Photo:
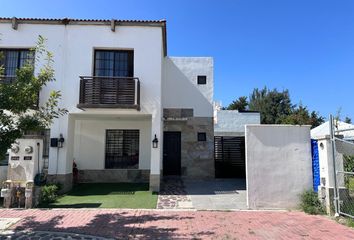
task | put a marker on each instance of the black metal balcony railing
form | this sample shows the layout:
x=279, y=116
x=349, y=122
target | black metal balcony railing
x=109, y=92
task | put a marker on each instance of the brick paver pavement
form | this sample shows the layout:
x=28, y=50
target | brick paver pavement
x=158, y=224
x=173, y=195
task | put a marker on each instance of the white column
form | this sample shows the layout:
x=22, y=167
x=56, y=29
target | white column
x=61, y=159
x=156, y=153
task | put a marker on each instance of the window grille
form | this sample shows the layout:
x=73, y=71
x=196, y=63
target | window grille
x=122, y=149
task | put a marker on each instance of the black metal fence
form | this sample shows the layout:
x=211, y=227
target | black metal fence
x=229, y=155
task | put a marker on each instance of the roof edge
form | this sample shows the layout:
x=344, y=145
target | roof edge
x=71, y=21
x=112, y=23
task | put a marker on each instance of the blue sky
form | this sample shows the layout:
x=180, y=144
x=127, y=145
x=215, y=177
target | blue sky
x=306, y=46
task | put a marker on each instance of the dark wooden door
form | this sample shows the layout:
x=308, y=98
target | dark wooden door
x=171, y=153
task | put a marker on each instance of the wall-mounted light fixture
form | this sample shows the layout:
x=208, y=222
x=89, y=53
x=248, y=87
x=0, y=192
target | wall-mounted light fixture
x=60, y=141
x=155, y=142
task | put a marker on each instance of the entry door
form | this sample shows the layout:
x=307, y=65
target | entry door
x=171, y=153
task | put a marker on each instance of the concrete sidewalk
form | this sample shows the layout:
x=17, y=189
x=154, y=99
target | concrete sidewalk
x=162, y=224
x=217, y=194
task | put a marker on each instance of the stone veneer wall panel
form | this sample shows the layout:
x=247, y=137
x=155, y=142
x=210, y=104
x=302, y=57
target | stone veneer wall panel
x=65, y=179
x=197, y=158
x=114, y=175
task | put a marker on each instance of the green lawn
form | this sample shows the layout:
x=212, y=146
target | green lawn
x=107, y=195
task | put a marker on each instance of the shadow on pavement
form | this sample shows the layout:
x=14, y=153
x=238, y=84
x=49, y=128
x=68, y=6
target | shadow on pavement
x=118, y=225
x=215, y=186
x=77, y=205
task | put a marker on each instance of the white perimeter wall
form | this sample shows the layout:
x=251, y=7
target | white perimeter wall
x=90, y=135
x=278, y=165
x=180, y=88
x=326, y=162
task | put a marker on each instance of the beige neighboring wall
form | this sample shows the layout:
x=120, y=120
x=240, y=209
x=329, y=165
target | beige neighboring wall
x=278, y=165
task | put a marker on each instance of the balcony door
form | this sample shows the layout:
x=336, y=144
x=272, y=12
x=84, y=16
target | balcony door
x=118, y=63
x=115, y=70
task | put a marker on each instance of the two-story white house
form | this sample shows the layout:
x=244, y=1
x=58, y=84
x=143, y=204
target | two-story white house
x=135, y=114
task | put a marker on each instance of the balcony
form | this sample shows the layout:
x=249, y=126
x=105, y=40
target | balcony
x=109, y=92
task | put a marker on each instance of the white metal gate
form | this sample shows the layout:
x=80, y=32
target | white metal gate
x=343, y=170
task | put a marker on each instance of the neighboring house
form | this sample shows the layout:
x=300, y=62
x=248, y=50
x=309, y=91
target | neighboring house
x=135, y=113
x=324, y=130
x=232, y=122
x=229, y=141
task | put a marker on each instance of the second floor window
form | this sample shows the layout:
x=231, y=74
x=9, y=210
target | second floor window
x=13, y=59
x=118, y=63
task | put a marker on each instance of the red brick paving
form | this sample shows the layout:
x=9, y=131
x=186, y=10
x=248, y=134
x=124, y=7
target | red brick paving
x=147, y=224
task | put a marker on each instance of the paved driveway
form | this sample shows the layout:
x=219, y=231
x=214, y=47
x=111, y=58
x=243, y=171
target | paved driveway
x=163, y=224
x=217, y=194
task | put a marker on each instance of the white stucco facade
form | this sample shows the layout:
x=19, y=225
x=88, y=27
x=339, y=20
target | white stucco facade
x=73, y=49
x=180, y=86
x=90, y=134
x=165, y=82
x=324, y=130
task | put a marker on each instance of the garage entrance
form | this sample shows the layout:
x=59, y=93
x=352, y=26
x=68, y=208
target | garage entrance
x=229, y=155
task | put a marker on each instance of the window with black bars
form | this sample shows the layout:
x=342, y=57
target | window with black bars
x=122, y=149
x=114, y=63
x=13, y=59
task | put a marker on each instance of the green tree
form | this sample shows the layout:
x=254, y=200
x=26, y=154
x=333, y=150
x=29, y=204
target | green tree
x=240, y=104
x=348, y=120
x=18, y=100
x=272, y=104
x=348, y=162
x=276, y=107
x=301, y=116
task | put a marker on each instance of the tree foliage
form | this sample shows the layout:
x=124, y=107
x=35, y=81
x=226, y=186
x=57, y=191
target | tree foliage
x=348, y=162
x=272, y=104
x=239, y=104
x=18, y=101
x=348, y=120
x=301, y=116
x=275, y=107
